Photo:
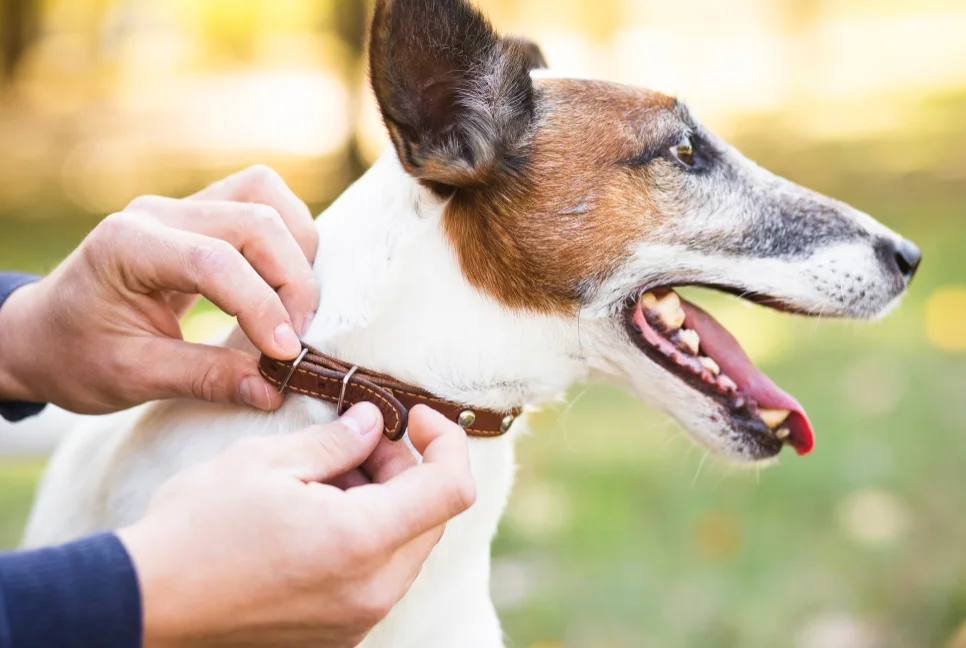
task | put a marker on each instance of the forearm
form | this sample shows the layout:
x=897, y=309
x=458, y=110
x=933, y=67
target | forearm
x=81, y=594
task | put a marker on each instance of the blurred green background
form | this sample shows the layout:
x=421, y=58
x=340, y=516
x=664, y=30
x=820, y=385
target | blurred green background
x=620, y=533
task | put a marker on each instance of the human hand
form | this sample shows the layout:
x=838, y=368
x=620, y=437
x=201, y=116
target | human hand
x=250, y=548
x=101, y=332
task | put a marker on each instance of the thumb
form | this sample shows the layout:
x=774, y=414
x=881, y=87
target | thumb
x=322, y=452
x=185, y=370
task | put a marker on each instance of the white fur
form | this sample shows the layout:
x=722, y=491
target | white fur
x=393, y=299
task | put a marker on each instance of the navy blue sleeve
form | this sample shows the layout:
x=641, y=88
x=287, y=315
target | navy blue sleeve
x=10, y=281
x=79, y=595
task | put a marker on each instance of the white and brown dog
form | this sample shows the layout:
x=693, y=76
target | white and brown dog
x=524, y=234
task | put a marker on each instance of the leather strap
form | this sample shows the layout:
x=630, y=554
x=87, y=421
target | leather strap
x=324, y=377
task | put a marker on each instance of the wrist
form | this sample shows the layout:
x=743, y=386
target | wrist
x=161, y=609
x=17, y=328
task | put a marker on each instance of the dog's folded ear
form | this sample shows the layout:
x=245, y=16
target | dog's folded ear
x=535, y=58
x=457, y=99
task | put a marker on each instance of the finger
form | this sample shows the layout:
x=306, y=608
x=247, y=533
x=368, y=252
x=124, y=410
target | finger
x=438, y=439
x=323, y=452
x=255, y=230
x=406, y=563
x=389, y=459
x=184, y=370
x=164, y=259
x=410, y=557
x=427, y=495
x=260, y=184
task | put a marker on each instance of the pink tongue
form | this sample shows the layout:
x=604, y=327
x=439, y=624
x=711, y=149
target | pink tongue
x=718, y=344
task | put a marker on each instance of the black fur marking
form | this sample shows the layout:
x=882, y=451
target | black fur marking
x=705, y=155
x=797, y=229
x=790, y=222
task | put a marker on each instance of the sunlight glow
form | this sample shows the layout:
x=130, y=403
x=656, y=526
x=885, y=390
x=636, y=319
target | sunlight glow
x=946, y=319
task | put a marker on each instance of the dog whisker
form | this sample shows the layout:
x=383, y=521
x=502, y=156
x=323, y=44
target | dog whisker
x=697, y=473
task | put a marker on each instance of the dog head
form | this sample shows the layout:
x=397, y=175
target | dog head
x=591, y=201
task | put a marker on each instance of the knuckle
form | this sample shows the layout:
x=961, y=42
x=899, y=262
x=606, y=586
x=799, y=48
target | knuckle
x=308, y=240
x=267, y=307
x=304, y=286
x=380, y=607
x=331, y=446
x=261, y=175
x=120, y=365
x=264, y=217
x=211, y=257
x=114, y=226
x=206, y=384
x=111, y=231
x=146, y=204
x=374, y=601
x=357, y=554
x=366, y=548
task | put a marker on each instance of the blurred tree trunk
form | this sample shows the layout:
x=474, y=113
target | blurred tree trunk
x=350, y=19
x=19, y=26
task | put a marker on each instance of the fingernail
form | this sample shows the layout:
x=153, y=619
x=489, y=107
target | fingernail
x=286, y=339
x=307, y=323
x=254, y=391
x=362, y=418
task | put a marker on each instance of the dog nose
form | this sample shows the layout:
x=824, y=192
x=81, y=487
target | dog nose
x=907, y=257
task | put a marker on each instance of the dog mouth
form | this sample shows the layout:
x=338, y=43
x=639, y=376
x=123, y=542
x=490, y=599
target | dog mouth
x=690, y=344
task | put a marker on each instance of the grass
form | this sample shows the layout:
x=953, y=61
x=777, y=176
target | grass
x=18, y=480
x=621, y=533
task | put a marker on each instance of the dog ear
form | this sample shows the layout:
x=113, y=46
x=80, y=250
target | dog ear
x=457, y=99
x=535, y=57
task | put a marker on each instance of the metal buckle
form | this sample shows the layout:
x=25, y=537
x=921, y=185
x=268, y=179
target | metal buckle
x=291, y=372
x=345, y=383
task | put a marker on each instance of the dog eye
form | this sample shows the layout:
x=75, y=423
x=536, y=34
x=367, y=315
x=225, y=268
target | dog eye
x=683, y=151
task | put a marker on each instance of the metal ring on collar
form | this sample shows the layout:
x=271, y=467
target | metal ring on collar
x=345, y=383
x=291, y=372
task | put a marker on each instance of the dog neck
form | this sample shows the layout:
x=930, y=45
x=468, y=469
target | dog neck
x=394, y=299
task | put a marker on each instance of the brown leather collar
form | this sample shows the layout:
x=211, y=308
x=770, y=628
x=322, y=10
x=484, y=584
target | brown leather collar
x=320, y=376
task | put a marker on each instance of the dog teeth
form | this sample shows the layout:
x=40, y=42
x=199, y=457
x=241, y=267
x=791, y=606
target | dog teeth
x=782, y=433
x=647, y=301
x=669, y=312
x=773, y=417
x=727, y=383
x=710, y=365
x=689, y=340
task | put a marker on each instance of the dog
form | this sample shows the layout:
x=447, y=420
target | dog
x=523, y=233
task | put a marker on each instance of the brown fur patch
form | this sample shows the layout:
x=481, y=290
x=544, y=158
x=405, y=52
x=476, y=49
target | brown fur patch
x=541, y=238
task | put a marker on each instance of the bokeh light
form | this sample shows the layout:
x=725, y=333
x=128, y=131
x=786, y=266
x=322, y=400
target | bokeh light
x=946, y=318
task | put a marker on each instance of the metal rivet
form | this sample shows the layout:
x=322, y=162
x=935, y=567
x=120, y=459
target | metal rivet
x=507, y=422
x=466, y=418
